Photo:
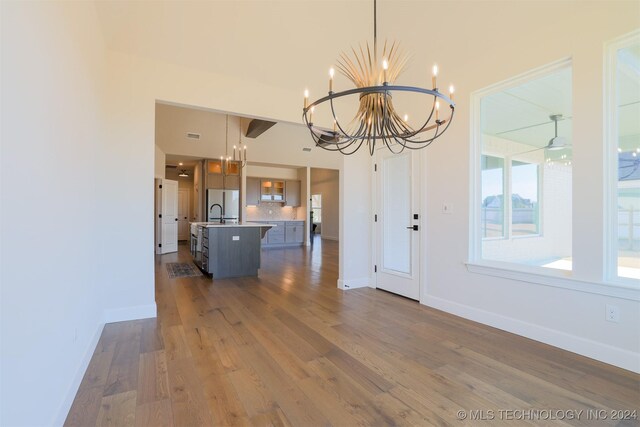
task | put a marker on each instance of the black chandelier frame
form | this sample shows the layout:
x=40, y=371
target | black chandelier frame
x=403, y=135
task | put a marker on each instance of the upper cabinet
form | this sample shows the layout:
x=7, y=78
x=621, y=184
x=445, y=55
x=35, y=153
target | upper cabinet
x=272, y=190
x=253, y=191
x=216, y=179
x=292, y=193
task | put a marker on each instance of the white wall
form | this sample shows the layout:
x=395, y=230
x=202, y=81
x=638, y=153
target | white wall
x=546, y=32
x=53, y=127
x=355, y=267
x=327, y=183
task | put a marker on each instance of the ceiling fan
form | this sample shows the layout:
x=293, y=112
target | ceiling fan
x=557, y=142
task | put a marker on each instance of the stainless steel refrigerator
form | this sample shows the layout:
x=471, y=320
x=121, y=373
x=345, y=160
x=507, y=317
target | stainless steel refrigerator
x=228, y=202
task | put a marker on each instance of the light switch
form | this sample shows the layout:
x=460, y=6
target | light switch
x=235, y=237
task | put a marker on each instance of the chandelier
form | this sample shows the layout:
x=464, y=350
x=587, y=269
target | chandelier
x=230, y=165
x=377, y=119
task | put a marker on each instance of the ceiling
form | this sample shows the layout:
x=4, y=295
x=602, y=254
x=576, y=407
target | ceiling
x=291, y=44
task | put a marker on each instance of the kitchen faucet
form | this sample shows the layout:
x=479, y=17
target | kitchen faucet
x=221, y=214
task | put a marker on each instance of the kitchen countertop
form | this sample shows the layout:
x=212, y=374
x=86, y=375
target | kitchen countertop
x=233, y=224
x=276, y=220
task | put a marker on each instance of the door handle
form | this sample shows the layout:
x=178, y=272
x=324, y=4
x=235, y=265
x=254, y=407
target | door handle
x=413, y=227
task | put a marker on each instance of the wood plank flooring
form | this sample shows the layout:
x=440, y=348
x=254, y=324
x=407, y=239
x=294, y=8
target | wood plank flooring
x=290, y=349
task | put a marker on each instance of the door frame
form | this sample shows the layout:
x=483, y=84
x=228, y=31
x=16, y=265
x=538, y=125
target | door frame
x=189, y=216
x=418, y=158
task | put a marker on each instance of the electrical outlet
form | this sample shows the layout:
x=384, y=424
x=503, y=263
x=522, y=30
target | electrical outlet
x=612, y=313
x=447, y=208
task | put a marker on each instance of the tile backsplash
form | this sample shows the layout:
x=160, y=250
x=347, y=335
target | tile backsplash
x=271, y=211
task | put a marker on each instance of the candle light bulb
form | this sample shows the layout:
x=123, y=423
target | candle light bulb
x=335, y=125
x=331, y=73
x=311, y=114
x=306, y=98
x=406, y=118
x=385, y=67
x=451, y=92
x=437, y=109
x=433, y=78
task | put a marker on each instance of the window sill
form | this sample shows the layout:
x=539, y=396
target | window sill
x=557, y=279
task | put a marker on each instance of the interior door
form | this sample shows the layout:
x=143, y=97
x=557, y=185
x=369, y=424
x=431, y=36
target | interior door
x=397, y=227
x=183, y=214
x=169, y=195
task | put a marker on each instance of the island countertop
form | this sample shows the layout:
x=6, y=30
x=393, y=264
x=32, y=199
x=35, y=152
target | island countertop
x=232, y=224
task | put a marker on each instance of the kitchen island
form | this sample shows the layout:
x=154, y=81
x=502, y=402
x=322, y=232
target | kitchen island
x=228, y=250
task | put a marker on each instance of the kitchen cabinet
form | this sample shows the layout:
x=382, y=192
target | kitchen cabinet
x=294, y=232
x=253, y=191
x=276, y=234
x=272, y=190
x=217, y=180
x=292, y=191
x=214, y=178
x=285, y=233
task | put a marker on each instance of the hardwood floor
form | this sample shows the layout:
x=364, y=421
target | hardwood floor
x=289, y=348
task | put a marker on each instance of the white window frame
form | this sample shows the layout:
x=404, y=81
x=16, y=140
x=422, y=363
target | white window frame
x=611, y=160
x=476, y=262
x=507, y=192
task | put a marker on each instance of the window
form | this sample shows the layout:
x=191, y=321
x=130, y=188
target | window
x=624, y=137
x=522, y=212
x=523, y=215
x=316, y=208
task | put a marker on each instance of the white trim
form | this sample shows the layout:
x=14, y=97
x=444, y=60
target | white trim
x=130, y=313
x=556, y=279
x=328, y=237
x=605, y=353
x=65, y=407
x=610, y=157
x=362, y=282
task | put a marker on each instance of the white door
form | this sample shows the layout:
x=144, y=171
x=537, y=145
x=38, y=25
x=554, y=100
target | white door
x=169, y=195
x=397, y=242
x=183, y=214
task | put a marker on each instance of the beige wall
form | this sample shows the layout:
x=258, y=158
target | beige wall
x=326, y=182
x=159, y=163
x=280, y=145
x=272, y=172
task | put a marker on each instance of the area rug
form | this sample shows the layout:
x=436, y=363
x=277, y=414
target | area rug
x=182, y=269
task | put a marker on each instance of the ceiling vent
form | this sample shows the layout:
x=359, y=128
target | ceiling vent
x=192, y=135
x=306, y=149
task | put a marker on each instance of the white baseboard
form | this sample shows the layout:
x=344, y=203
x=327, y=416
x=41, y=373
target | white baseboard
x=353, y=283
x=77, y=378
x=603, y=352
x=130, y=313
